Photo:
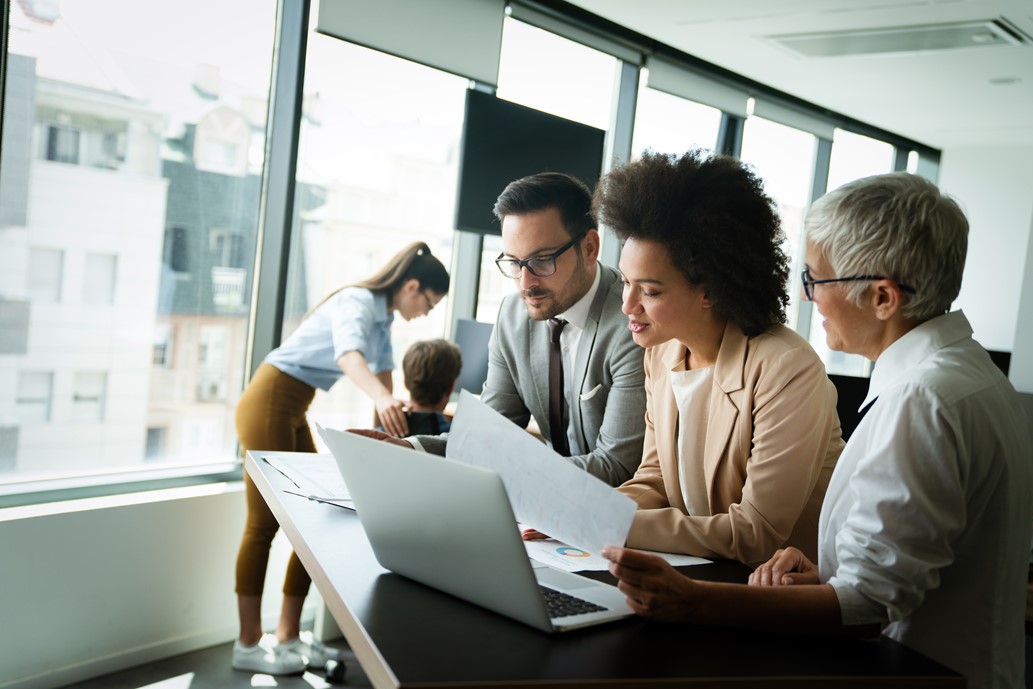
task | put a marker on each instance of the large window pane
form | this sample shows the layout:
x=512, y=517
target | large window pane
x=669, y=124
x=377, y=170
x=132, y=162
x=784, y=159
x=853, y=156
x=555, y=75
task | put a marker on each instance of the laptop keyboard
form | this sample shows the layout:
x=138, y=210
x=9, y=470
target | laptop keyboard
x=563, y=604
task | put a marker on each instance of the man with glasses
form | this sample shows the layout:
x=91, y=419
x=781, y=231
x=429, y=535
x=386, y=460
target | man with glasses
x=595, y=414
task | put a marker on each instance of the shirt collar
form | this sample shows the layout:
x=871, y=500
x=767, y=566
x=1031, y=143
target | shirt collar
x=914, y=347
x=381, y=312
x=577, y=315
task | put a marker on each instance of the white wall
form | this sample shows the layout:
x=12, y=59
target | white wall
x=995, y=188
x=94, y=586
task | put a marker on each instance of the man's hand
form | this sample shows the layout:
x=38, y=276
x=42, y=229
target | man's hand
x=533, y=535
x=655, y=590
x=787, y=567
x=378, y=435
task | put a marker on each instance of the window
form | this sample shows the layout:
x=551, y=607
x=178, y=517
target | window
x=155, y=444
x=88, y=396
x=377, y=169
x=669, y=124
x=555, y=75
x=8, y=449
x=124, y=226
x=46, y=267
x=62, y=144
x=853, y=156
x=33, y=398
x=161, y=355
x=99, y=273
x=784, y=159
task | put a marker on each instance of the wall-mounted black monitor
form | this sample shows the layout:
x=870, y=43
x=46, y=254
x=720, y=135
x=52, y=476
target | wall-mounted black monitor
x=503, y=141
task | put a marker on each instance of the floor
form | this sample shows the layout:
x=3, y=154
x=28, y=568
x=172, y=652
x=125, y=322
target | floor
x=210, y=668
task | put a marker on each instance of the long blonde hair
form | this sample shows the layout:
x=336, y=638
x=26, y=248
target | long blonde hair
x=414, y=262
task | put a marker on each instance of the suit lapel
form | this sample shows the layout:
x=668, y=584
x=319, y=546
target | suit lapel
x=538, y=347
x=728, y=379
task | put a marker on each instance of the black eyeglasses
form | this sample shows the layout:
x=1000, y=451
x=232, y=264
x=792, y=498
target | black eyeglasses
x=539, y=266
x=809, y=283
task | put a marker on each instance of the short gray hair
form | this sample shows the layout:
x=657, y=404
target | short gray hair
x=899, y=226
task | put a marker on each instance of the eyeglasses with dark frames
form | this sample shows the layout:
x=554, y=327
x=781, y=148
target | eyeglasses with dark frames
x=430, y=304
x=539, y=266
x=809, y=283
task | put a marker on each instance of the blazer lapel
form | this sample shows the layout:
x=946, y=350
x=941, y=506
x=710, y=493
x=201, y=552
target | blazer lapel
x=728, y=378
x=538, y=348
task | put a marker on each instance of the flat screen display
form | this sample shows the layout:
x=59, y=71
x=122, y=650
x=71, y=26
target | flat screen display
x=503, y=141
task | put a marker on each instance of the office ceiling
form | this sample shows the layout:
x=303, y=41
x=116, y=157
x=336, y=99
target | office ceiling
x=945, y=97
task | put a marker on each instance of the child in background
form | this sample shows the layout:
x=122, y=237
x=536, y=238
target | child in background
x=430, y=369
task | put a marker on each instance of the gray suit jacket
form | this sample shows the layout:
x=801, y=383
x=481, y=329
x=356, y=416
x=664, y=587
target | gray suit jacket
x=608, y=409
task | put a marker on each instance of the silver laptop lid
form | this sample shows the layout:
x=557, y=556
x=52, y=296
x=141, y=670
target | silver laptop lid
x=443, y=523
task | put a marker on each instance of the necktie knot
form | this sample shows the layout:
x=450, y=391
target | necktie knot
x=555, y=328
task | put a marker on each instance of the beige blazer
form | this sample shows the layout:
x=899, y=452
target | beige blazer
x=773, y=438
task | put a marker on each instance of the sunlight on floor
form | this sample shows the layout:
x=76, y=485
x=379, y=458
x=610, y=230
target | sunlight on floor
x=179, y=682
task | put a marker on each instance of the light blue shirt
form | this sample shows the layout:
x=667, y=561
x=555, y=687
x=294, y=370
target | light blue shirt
x=354, y=319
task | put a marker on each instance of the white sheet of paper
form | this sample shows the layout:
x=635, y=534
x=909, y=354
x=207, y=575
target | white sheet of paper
x=317, y=477
x=547, y=492
x=562, y=556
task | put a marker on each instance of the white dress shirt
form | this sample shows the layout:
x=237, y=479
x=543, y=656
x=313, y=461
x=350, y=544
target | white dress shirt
x=925, y=525
x=692, y=390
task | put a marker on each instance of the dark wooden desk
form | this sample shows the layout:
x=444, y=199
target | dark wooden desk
x=405, y=634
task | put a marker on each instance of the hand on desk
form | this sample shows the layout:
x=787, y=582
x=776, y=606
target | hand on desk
x=787, y=567
x=378, y=435
x=654, y=588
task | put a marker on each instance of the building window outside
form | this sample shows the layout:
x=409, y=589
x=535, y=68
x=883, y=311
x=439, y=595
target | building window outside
x=99, y=277
x=155, y=447
x=88, y=395
x=62, y=144
x=134, y=241
x=8, y=449
x=45, y=272
x=34, y=396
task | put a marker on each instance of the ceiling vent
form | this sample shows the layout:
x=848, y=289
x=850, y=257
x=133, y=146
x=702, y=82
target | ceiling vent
x=906, y=39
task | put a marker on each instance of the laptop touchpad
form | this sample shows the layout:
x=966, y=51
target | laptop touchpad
x=547, y=576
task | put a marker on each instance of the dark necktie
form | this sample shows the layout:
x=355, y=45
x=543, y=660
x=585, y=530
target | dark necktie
x=556, y=426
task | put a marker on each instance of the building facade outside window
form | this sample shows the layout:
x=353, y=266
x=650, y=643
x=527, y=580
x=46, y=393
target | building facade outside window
x=126, y=173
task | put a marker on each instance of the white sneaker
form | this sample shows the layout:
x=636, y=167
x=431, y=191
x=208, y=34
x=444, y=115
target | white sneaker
x=315, y=653
x=267, y=657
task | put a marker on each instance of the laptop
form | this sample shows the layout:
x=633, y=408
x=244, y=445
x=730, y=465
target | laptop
x=450, y=526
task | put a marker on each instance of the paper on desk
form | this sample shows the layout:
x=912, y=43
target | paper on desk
x=547, y=492
x=562, y=556
x=316, y=476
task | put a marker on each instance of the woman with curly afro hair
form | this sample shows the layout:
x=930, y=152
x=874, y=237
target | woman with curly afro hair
x=741, y=426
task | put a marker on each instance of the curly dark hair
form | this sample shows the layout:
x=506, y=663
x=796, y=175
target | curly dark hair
x=719, y=228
